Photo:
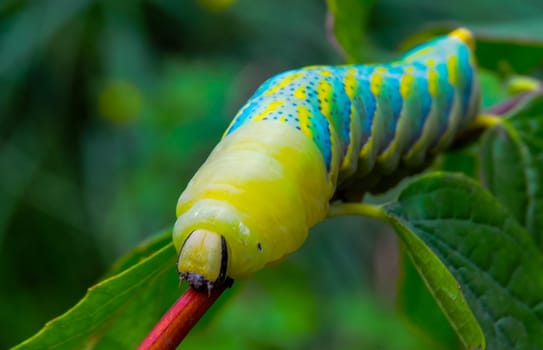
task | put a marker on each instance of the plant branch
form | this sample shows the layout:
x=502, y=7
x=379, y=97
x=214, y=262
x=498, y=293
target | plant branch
x=502, y=109
x=181, y=318
x=363, y=209
x=490, y=117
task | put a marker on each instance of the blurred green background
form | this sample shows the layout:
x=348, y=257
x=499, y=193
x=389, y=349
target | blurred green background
x=107, y=108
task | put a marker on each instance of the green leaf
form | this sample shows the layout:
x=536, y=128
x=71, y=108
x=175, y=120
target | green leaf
x=493, y=90
x=502, y=172
x=421, y=311
x=117, y=312
x=512, y=165
x=349, y=20
x=515, y=44
x=478, y=262
x=462, y=160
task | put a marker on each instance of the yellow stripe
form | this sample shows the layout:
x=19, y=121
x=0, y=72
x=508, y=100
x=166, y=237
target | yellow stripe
x=324, y=91
x=376, y=81
x=433, y=78
x=452, y=67
x=300, y=93
x=350, y=89
x=271, y=107
x=406, y=84
x=419, y=53
x=350, y=83
x=303, y=116
x=287, y=80
x=325, y=73
x=464, y=35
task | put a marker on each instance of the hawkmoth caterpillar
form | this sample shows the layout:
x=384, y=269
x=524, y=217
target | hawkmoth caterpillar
x=314, y=135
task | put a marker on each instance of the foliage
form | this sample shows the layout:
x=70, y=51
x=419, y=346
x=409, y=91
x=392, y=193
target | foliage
x=108, y=108
x=473, y=250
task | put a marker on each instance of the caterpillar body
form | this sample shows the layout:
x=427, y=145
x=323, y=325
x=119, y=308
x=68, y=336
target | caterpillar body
x=314, y=135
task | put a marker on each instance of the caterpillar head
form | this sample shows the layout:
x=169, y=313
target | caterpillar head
x=203, y=260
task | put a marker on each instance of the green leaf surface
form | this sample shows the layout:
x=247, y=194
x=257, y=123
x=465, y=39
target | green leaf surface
x=462, y=160
x=421, y=311
x=349, y=20
x=117, y=312
x=512, y=165
x=515, y=44
x=473, y=255
x=493, y=89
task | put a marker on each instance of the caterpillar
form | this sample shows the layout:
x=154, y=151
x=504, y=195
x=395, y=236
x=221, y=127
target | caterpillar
x=314, y=135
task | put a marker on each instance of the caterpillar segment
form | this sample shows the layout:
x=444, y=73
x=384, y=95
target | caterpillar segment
x=314, y=135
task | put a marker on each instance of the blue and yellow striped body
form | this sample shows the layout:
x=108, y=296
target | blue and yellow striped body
x=368, y=119
x=313, y=135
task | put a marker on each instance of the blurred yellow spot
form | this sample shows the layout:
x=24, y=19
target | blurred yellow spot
x=420, y=52
x=376, y=80
x=452, y=67
x=433, y=82
x=216, y=5
x=433, y=78
x=350, y=83
x=324, y=92
x=269, y=109
x=406, y=84
x=120, y=102
x=519, y=84
x=464, y=35
x=325, y=73
x=304, y=116
x=285, y=82
x=300, y=93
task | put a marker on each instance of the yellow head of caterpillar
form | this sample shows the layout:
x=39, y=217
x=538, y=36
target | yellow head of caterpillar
x=203, y=260
x=250, y=205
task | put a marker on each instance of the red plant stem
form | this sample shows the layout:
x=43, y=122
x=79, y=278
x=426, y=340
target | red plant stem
x=509, y=104
x=180, y=318
x=500, y=110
